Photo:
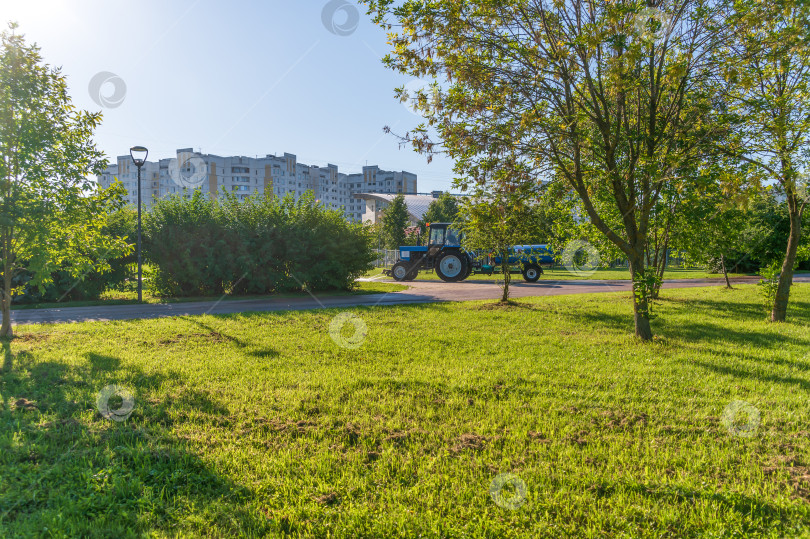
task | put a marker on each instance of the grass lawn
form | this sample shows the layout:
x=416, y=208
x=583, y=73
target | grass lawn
x=114, y=297
x=261, y=424
x=560, y=273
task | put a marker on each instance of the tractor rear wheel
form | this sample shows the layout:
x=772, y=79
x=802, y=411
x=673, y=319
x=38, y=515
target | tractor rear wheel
x=452, y=267
x=469, y=270
x=531, y=273
x=402, y=272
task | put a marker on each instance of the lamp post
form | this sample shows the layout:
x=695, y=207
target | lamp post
x=138, y=154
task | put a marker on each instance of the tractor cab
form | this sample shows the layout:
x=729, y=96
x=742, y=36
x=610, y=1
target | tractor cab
x=440, y=235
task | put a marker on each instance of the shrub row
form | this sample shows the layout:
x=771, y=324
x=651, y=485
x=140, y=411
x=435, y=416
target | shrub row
x=200, y=246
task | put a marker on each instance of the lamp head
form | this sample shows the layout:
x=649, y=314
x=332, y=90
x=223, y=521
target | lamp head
x=138, y=154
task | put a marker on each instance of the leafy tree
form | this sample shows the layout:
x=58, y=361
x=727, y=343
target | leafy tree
x=765, y=233
x=441, y=210
x=710, y=225
x=499, y=214
x=768, y=72
x=395, y=220
x=115, y=276
x=51, y=216
x=609, y=97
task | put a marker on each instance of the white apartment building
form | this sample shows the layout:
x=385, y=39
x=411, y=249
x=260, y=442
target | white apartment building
x=242, y=176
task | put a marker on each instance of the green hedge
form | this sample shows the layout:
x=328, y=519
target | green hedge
x=199, y=246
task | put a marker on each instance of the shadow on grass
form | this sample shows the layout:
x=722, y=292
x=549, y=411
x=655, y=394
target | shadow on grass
x=797, y=310
x=708, y=333
x=754, y=509
x=749, y=375
x=260, y=353
x=61, y=461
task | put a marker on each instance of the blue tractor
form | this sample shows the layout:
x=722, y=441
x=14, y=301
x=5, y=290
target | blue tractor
x=443, y=253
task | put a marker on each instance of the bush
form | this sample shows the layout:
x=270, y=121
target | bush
x=201, y=246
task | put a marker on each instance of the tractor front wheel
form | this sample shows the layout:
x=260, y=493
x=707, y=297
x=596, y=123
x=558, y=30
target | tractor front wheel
x=452, y=267
x=531, y=273
x=402, y=272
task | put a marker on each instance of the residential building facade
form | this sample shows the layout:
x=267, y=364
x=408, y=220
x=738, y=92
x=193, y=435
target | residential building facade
x=243, y=176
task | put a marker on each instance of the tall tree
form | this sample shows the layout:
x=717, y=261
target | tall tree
x=441, y=210
x=610, y=96
x=395, y=220
x=768, y=72
x=51, y=215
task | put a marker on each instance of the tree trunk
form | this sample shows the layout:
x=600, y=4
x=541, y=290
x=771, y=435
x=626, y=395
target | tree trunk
x=507, y=277
x=660, y=267
x=6, y=331
x=725, y=271
x=640, y=306
x=779, y=313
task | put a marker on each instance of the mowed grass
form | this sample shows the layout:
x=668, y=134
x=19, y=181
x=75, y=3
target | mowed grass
x=261, y=425
x=560, y=273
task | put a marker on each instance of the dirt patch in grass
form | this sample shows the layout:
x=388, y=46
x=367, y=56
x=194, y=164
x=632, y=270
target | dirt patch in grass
x=398, y=437
x=330, y=498
x=798, y=475
x=620, y=420
x=538, y=437
x=32, y=337
x=579, y=438
x=25, y=404
x=502, y=306
x=471, y=442
x=352, y=433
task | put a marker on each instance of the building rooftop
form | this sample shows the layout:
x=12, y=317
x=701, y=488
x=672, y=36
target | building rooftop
x=417, y=204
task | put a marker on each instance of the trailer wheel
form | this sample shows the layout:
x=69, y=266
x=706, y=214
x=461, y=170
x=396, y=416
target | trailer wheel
x=400, y=272
x=452, y=267
x=531, y=273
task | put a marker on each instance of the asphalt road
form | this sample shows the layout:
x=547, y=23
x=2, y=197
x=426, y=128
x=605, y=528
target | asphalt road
x=419, y=292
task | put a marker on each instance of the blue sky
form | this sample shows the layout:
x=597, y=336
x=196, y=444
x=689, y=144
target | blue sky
x=233, y=78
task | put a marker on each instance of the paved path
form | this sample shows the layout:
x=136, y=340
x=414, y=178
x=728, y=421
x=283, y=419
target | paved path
x=420, y=292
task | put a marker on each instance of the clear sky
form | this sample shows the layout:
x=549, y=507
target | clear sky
x=233, y=77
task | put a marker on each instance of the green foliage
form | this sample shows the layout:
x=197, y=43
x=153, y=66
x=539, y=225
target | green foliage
x=201, y=246
x=108, y=273
x=645, y=290
x=442, y=210
x=395, y=220
x=769, y=283
x=766, y=230
x=52, y=217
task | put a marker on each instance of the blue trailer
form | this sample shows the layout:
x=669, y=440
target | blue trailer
x=527, y=260
x=443, y=253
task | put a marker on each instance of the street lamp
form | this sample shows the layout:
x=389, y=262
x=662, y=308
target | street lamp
x=138, y=154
